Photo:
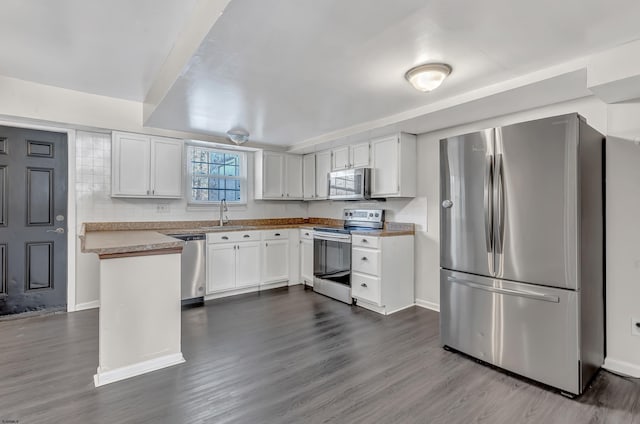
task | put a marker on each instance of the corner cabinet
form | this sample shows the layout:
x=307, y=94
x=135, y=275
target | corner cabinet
x=145, y=166
x=394, y=166
x=278, y=176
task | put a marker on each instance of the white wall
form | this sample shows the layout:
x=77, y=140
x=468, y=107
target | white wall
x=424, y=209
x=94, y=204
x=623, y=237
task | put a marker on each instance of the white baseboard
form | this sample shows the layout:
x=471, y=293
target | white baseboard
x=428, y=305
x=622, y=367
x=87, y=305
x=100, y=379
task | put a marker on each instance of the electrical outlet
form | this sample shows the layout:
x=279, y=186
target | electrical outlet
x=635, y=326
x=162, y=208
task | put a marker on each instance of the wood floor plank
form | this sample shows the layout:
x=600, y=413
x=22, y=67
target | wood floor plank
x=285, y=356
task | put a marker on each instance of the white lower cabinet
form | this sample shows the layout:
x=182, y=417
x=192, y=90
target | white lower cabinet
x=275, y=260
x=382, y=277
x=306, y=257
x=232, y=263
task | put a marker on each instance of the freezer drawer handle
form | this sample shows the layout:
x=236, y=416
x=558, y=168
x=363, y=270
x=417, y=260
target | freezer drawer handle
x=527, y=294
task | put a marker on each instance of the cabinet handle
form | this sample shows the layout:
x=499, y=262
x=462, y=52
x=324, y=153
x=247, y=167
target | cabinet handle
x=365, y=241
x=306, y=234
x=287, y=194
x=277, y=234
x=246, y=236
x=266, y=245
x=364, y=258
x=282, y=195
x=363, y=285
x=148, y=192
x=225, y=238
x=238, y=247
x=153, y=192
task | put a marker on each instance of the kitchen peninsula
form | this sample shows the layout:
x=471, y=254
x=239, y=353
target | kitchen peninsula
x=139, y=324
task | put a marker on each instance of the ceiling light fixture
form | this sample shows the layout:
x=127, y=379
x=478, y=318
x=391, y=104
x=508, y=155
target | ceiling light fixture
x=427, y=77
x=238, y=135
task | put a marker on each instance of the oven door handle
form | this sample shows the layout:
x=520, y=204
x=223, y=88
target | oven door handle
x=345, y=238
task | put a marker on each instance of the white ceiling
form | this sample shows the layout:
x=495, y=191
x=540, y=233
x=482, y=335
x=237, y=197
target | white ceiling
x=108, y=47
x=291, y=71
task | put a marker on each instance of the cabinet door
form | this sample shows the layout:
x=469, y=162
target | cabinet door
x=306, y=261
x=221, y=267
x=275, y=264
x=340, y=158
x=385, y=152
x=309, y=176
x=166, y=167
x=273, y=175
x=131, y=165
x=248, y=264
x=323, y=167
x=293, y=176
x=360, y=155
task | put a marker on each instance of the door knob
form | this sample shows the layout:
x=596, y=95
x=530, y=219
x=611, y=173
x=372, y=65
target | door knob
x=447, y=204
x=58, y=230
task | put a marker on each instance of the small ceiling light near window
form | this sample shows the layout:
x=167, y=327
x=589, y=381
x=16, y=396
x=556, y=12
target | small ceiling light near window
x=428, y=77
x=238, y=135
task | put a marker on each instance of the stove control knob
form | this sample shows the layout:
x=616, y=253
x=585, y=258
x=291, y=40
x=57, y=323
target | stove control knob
x=370, y=214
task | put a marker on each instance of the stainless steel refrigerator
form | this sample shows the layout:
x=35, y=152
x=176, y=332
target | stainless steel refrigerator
x=521, y=232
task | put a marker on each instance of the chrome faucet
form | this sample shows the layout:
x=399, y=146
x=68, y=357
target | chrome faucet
x=223, y=208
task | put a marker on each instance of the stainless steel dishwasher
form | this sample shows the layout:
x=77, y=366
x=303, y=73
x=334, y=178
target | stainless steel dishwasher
x=193, y=266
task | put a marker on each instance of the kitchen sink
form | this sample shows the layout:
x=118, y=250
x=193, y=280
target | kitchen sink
x=225, y=227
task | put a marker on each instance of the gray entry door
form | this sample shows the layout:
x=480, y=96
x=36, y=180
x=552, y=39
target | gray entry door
x=535, y=210
x=33, y=220
x=466, y=164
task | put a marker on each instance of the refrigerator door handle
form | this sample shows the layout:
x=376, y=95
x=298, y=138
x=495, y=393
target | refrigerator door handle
x=499, y=241
x=510, y=292
x=488, y=203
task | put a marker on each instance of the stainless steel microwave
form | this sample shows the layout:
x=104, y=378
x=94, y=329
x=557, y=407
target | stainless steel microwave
x=350, y=184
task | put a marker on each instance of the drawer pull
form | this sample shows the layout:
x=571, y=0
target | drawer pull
x=225, y=238
x=365, y=241
x=363, y=284
x=246, y=236
x=364, y=258
x=306, y=234
x=277, y=234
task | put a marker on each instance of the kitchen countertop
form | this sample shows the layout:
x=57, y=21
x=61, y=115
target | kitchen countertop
x=111, y=239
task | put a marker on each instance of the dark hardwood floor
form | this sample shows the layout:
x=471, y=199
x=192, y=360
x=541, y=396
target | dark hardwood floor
x=284, y=356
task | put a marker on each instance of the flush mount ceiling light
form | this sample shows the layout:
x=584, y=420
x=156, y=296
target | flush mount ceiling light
x=427, y=77
x=238, y=135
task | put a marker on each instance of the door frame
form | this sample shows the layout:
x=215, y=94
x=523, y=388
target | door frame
x=71, y=201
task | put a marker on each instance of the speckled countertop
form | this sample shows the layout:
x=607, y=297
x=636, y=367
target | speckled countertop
x=113, y=238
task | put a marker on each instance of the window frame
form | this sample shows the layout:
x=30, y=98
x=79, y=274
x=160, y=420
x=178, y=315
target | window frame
x=242, y=155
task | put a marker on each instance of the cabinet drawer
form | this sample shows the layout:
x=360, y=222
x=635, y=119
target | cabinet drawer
x=365, y=287
x=366, y=261
x=275, y=234
x=233, y=236
x=306, y=234
x=365, y=241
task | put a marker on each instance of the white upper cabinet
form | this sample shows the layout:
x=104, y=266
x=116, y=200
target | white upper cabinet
x=340, y=158
x=394, y=166
x=354, y=156
x=293, y=177
x=359, y=154
x=166, y=167
x=315, y=169
x=278, y=176
x=323, y=167
x=145, y=166
x=309, y=176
